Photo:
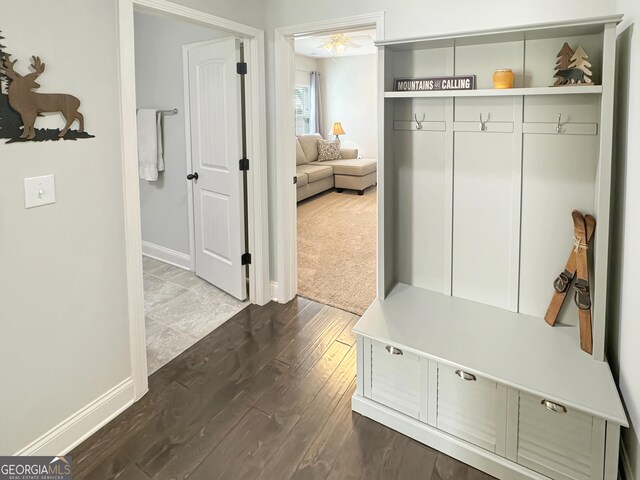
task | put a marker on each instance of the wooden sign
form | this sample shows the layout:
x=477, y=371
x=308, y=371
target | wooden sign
x=461, y=82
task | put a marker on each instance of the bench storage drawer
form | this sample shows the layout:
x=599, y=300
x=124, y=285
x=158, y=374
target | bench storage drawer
x=472, y=408
x=559, y=442
x=395, y=378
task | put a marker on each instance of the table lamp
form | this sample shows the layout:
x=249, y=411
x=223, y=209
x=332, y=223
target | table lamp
x=336, y=129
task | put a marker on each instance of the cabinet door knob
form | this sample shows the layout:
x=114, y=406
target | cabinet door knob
x=393, y=350
x=469, y=377
x=553, y=407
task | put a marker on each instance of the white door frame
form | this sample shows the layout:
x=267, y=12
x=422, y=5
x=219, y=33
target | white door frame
x=257, y=205
x=287, y=286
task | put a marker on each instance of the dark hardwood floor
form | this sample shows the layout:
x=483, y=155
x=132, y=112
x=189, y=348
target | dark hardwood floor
x=265, y=396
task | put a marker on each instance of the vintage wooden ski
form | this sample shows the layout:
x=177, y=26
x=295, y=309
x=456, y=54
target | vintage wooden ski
x=563, y=281
x=582, y=295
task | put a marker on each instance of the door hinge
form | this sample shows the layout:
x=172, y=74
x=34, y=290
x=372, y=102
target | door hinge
x=246, y=259
x=244, y=164
x=295, y=180
x=241, y=68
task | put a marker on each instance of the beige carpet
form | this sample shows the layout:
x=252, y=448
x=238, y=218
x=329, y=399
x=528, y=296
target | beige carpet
x=337, y=249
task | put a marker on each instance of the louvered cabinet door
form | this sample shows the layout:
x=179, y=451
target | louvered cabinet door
x=396, y=378
x=559, y=442
x=472, y=408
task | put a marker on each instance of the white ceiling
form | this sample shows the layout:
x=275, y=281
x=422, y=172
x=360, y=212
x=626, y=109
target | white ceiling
x=308, y=46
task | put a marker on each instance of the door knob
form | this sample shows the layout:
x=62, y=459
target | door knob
x=192, y=176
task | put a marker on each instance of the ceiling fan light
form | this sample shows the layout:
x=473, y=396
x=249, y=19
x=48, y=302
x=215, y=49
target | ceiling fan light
x=337, y=44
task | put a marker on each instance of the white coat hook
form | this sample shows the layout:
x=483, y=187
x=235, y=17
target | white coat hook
x=419, y=122
x=483, y=123
x=558, y=127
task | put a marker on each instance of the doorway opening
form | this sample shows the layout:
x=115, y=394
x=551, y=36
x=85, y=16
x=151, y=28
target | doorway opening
x=200, y=65
x=336, y=167
x=191, y=135
x=329, y=217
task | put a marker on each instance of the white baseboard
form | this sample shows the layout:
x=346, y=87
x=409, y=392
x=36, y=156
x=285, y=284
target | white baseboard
x=274, y=291
x=166, y=255
x=627, y=473
x=62, y=438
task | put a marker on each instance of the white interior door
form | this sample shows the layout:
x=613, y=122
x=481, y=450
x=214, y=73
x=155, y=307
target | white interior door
x=216, y=147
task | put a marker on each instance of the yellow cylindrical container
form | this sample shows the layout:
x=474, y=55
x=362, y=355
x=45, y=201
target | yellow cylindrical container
x=503, y=78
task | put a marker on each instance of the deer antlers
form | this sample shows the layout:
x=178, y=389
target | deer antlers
x=8, y=68
x=8, y=65
x=37, y=65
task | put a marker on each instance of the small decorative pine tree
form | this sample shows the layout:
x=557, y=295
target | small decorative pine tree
x=580, y=61
x=4, y=81
x=563, y=63
x=10, y=121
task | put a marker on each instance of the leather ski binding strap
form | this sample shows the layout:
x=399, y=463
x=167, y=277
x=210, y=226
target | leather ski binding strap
x=582, y=295
x=562, y=282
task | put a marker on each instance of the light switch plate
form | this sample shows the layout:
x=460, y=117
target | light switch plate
x=39, y=191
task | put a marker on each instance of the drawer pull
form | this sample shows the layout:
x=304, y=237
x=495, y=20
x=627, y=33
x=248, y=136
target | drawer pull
x=393, y=350
x=553, y=407
x=466, y=376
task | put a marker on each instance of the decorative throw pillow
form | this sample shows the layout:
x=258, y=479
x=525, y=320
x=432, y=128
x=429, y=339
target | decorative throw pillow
x=328, y=150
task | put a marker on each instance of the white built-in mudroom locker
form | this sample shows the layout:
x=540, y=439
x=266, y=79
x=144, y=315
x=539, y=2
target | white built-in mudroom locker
x=476, y=193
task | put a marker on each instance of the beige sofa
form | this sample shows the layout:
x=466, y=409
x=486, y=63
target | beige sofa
x=313, y=177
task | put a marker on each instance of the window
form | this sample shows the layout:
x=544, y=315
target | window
x=303, y=109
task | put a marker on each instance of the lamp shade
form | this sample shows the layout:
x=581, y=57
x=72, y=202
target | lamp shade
x=336, y=129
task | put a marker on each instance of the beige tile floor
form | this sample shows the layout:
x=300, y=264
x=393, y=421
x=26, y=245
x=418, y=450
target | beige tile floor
x=180, y=309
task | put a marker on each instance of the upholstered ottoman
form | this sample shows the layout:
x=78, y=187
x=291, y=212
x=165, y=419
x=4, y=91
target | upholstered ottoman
x=354, y=173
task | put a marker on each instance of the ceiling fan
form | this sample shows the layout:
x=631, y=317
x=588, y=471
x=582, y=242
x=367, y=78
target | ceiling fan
x=338, y=42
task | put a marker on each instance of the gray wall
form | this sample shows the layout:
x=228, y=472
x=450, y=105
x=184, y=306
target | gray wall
x=425, y=17
x=160, y=84
x=64, y=322
x=63, y=300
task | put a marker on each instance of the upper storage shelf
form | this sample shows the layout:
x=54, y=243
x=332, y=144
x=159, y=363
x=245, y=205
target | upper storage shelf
x=507, y=92
x=530, y=51
x=539, y=31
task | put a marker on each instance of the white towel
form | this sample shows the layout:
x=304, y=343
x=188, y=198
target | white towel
x=150, y=151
